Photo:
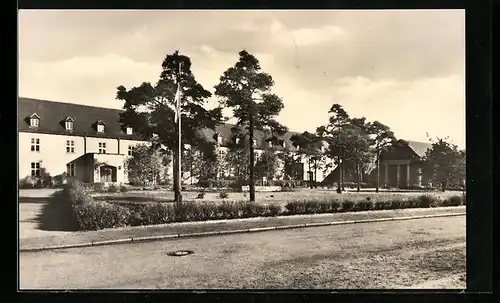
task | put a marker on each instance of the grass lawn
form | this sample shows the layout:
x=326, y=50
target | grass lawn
x=265, y=197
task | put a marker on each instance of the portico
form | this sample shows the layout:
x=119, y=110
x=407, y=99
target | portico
x=398, y=173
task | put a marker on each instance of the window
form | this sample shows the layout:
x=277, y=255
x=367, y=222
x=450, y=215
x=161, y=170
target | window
x=270, y=144
x=237, y=140
x=254, y=142
x=283, y=143
x=219, y=139
x=34, y=122
x=100, y=128
x=102, y=147
x=129, y=130
x=130, y=150
x=70, y=146
x=68, y=125
x=35, y=169
x=35, y=144
x=70, y=169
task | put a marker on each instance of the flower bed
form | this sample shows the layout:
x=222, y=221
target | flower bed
x=92, y=215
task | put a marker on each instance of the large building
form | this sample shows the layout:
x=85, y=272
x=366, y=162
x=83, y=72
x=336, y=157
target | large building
x=90, y=144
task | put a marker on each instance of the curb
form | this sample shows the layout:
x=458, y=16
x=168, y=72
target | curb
x=229, y=232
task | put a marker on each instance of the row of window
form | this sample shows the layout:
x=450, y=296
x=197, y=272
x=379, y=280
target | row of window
x=69, y=124
x=70, y=146
x=36, y=169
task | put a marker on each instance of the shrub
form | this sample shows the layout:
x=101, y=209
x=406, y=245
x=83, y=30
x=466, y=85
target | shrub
x=453, y=201
x=347, y=205
x=100, y=215
x=252, y=209
x=364, y=205
x=156, y=213
x=312, y=207
x=295, y=207
x=186, y=211
x=223, y=195
x=335, y=206
x=273, y=210
x=112, y=188
x=76, y=194
x=207, y=211
x=123, y=188
x=382, y=205
x=325, y=207
x=395, y=204
x=97, y=187
x=229, y=210
x=425, y=201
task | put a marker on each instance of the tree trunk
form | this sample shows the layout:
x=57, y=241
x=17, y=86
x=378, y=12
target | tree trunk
x=339, y=188
x=252, y=160
x=177, y=193
x=378, y=172
x=315, y=173
x=358, y=177
x=342, y=175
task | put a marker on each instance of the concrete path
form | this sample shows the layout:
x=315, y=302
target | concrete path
x=396, y=254
x=31, y=203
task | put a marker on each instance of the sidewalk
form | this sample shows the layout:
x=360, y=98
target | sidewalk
x=175, y=230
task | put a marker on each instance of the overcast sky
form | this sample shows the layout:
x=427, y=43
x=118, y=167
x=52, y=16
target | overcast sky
x=403, y=68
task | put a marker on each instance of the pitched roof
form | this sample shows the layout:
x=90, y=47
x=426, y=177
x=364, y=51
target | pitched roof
x=53, y=115
x=420, y=148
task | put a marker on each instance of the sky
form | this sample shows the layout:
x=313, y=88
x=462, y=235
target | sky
x=405, y=69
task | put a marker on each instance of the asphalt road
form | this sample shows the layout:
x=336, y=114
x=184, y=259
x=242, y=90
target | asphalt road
x=397, y=254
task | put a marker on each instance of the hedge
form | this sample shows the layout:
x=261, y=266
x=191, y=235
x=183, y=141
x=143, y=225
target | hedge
x=93, y=215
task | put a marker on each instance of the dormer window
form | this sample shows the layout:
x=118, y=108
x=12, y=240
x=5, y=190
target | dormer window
x=283, y=144
x=237, y=140
x=68, y=123
x=219, y=139
x=129, y=130
x=270, y=143
x=254, y=142
x=100, y=126
x=34, y=120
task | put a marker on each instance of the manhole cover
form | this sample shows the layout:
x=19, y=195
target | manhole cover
x=180, y=253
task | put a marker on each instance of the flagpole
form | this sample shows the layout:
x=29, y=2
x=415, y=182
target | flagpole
x=179, y=143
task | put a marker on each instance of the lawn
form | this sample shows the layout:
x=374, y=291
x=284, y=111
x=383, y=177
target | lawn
x=265, y=197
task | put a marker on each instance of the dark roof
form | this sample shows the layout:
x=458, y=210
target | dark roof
x=53, y=114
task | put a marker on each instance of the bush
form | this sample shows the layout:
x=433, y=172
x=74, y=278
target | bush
x=395, y=204
x=229, y=210
x=312, y=207
x=76, y=193
x=273, y=210
x=207, y=211
x=97, y=187
x=335, y=206
x=186, y=212
x=123, y=188
x=154, y=213
x=252, y=209
x=112, y=188
x=100, y=215
x=200, y=195
x=347, y=205
x=364, y=205
x=425, y=201
x=453, y=201
x=296, y=207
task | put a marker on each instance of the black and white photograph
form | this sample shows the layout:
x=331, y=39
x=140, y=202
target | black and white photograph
x=241, y=149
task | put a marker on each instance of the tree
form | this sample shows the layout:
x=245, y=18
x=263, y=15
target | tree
x=357, y=147
x=151, y=110
x=381, y=138
x=247, y=90
x=267, y=164
x=333, y=134
x=146, y=165
x=199, y=161
x=446, y=163
x=309, y=146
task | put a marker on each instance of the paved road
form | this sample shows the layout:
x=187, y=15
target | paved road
x=372, y=255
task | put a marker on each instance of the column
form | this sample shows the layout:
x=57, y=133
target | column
x=386, y=174
x=408, y=175
x=397, y=178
